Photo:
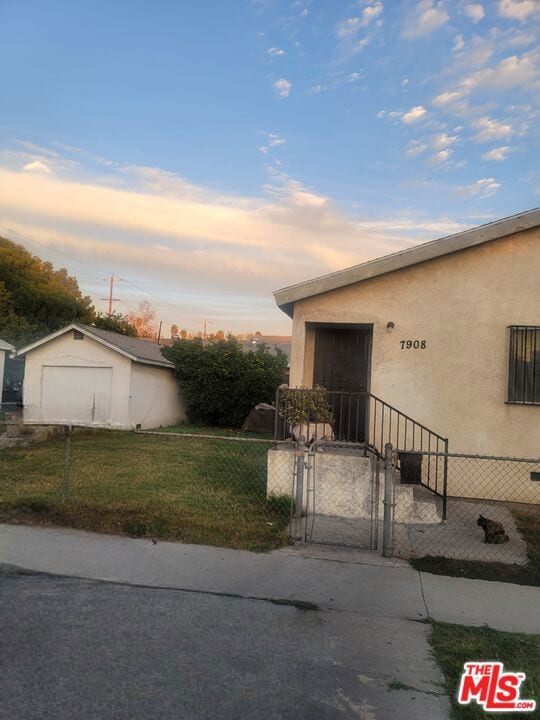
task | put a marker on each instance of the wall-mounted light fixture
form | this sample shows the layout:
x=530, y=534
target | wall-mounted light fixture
x=389, y=325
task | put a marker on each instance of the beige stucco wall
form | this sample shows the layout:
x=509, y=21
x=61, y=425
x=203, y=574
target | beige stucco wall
x=155, y=398
x=461, y=305
x=65, y=351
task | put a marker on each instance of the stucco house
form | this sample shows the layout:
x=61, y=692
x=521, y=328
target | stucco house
x=448, y=332
x=5, y=349
x=85, y=376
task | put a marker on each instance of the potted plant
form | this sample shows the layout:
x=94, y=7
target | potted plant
x=307, y=412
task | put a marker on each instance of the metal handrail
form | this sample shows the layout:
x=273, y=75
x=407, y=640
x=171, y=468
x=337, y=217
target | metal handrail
x=360, y=417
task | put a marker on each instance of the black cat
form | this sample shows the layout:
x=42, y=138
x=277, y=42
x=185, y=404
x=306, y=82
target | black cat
x=493, y=531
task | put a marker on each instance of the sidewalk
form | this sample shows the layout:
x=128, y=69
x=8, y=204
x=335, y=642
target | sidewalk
x=356, y=582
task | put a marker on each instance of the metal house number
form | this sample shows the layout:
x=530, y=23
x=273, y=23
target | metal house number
x=413, y=344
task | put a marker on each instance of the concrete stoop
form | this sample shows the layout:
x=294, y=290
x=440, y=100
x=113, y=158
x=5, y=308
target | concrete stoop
x=341, y=486
x=415, y=504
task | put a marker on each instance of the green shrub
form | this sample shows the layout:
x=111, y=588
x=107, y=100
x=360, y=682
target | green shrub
x=300, y=406
x=221, y=383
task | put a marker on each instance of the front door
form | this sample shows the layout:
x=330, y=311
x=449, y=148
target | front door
x=342, y=368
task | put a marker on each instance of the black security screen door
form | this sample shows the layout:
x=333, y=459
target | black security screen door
x=342, y=357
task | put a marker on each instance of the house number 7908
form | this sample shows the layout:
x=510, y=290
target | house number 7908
x=413, y=344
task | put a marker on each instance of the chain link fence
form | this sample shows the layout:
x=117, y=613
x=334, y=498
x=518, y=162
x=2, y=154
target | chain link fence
x=191, y=488
x=259, y=494
x=490, y=501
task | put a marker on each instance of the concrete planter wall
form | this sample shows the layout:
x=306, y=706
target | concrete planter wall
x=341, y=481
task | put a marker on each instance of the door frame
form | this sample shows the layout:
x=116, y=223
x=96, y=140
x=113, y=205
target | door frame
x=367, y=327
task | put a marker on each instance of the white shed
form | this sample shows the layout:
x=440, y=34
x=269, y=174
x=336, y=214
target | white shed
x=83, y=375
x=5, y=349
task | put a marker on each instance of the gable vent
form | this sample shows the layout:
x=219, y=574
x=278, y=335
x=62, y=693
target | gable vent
x=78, y=335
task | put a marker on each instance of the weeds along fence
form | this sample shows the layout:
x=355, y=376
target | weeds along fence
x=192, y=488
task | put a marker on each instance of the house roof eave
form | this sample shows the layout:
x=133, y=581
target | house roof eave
x=286, y=297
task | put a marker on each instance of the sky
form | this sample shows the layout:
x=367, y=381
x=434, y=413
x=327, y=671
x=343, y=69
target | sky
x=209, y=153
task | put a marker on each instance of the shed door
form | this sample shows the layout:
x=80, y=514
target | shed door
x=76, y=395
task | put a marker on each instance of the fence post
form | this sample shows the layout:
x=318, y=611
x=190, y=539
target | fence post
x=276, y=416
x=445, y=479
x=388, y=522
x=299, y=465
x=65, y=481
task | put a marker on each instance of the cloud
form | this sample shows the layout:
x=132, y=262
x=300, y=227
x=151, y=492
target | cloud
x=315, y=89
x=276, y=52
x=459, y=43
x=233, y=249
x=38, y=166
x=283, y=87
x=518, y=9
x=509, y=74
x=273, y=141
x=446, y=97
x=414, y=114
x=415, y=148
x=427, y=18
x=498, y=153
x=491, y=129
x=351, y=26
x=276, y=140
x=372, y=12
x=441, y=157
x=475, y=11
x=443, y=140
x=485, y=187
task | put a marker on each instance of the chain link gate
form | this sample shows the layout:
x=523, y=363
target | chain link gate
x=336, y=498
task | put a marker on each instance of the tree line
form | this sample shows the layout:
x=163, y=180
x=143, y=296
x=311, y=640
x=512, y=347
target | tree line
x=36, y=299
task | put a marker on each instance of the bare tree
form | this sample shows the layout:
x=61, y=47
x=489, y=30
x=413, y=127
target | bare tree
x=144, y=320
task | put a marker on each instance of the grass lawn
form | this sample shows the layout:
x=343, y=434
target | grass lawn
x=192, y=490
x=454, y=645
x=528, y=523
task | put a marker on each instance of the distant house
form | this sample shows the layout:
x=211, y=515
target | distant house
x=272, y=343
x=5, y=349
x=447, y=332
x=82, y=375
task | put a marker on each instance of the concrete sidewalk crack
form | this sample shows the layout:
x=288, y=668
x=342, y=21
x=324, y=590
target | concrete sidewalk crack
x=428, y=615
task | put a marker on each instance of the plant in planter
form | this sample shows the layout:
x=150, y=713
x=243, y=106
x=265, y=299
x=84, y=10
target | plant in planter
x=308, y=413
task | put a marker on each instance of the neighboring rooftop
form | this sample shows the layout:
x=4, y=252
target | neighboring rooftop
x=272, y=342
x=286, y=297
x=138, y=349
x=6, y=346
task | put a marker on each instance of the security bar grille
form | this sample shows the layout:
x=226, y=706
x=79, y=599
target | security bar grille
x=524, y=365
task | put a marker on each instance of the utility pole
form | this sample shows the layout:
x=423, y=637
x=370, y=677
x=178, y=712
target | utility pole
x=110, y=299
x=204, y=322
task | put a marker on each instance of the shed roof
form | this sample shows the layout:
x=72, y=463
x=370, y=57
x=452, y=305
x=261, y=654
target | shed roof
x=286, y=297
x=6, y=346
x=137, y=349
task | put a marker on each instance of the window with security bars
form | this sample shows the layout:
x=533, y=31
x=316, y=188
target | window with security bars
x=524, y=365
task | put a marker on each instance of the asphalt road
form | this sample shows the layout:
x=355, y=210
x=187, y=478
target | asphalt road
x=96, y=650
